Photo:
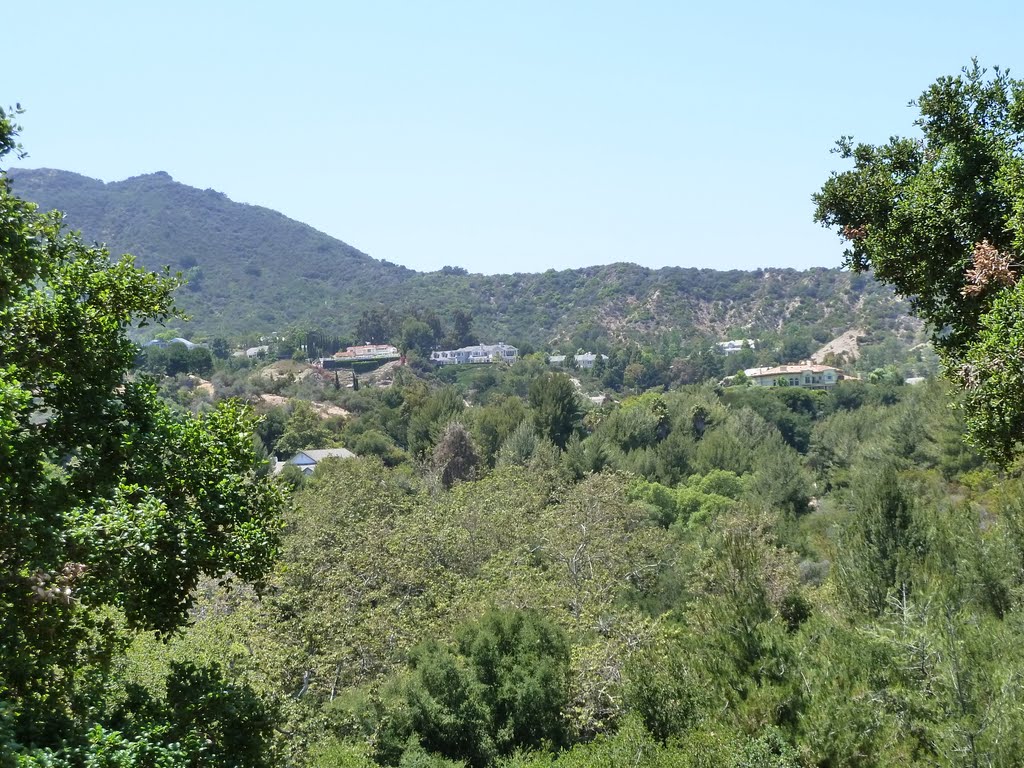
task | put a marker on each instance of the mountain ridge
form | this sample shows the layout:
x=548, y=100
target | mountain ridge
x=251, y=269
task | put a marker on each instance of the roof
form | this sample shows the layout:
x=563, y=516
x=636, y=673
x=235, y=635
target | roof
x=320, y=454
x=485, y=348
x=368, y=349
x=167, y=342
x=786, y=370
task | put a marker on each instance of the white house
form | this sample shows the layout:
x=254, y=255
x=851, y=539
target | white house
x=584, y=360
x=308, y=460
x=481, y=353
x=733, y=346
x=806, y=375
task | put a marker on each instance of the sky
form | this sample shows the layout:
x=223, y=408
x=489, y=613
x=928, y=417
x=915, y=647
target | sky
x=497, y=136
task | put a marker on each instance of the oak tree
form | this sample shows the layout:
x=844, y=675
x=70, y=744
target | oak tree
x=112, y=507
x=940, y=217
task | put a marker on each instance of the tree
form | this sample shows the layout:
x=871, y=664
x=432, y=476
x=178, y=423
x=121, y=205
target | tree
x=455, y=456
x=199, y=361
x=429, y=418
x=878, y=545
x=304, y=429
x=219, y=347
x=416, y=336
x=493, y=423
x=462, y=330
x=941, y=218
x=503, y=687
x=112, y=507
x=375, y=326
x=556, y=408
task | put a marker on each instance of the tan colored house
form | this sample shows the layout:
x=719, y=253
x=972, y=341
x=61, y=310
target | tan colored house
x=807, y=375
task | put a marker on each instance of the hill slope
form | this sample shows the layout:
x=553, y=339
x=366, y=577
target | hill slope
x=251, y=269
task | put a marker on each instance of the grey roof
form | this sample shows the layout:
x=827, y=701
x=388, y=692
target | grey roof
x=167, y=342
x=320, y=454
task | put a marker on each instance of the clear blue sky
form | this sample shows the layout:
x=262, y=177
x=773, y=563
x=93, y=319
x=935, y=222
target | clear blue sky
x=511, y=136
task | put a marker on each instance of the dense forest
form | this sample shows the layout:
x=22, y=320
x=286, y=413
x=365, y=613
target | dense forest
x=698, y=577
x=523, y=567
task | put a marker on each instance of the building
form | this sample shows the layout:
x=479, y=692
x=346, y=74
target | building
x=308, y=460
x=364, y=353
x=167, y=342
x=733, y=346
x=584, y=360
x=369, y=352
x=480, y=353
x=806, y=375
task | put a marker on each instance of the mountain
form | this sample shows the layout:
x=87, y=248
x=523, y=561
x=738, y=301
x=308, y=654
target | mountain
x=253, y=270
x=246, y=266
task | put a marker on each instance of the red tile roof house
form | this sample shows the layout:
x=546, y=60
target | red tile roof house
x=369, y=352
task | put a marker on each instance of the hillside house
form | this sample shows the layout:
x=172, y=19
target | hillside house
x=167, y=342
x=733, y=346
x=358, y=354
x=806, y=375
x=308, y=460
x=369, y=352
x=480, y=353
x=584, y=360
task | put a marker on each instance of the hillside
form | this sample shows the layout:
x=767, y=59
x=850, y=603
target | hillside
x=251, y=269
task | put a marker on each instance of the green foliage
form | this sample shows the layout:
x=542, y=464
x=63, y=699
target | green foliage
x=941, y=218
x=430, y=417
x=416, y=336
x=692, y=504
x=111, y=509
x=455, y=456
x=503, y=687
x=304, y=429
x=556, y=407
x=492, y=424
x=175, y=359
x=519, y=446
x=640, y=422
x=992, y=378
x=879, y=542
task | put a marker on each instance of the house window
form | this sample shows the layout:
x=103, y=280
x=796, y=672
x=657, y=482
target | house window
x=794, y=381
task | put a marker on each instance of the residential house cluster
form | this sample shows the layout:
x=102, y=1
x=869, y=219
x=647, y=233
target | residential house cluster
x=479, y=353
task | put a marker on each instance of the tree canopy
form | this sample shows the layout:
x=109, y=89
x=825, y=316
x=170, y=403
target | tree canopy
x=112, y=507
x=940, y=216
